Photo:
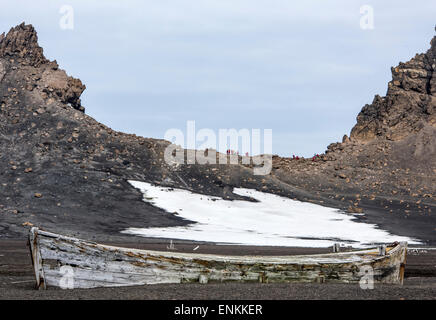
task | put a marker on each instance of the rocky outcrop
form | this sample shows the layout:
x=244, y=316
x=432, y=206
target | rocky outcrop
x=388, y=160
x=409, y=105
x=55, y=83
x=21, y=43
x=21, y=53
x=63, y=170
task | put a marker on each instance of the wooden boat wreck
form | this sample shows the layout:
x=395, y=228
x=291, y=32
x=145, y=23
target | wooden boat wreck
x=83, y=264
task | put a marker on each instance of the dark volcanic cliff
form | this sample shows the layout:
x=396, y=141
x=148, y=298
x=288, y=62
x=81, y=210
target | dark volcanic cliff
x=409, y=105
x=62, y=170
x=389, y=159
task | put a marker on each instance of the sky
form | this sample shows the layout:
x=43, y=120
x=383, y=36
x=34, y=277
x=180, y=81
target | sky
x=303, y=69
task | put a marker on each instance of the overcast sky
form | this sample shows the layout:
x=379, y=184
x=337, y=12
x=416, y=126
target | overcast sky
x=303, y=69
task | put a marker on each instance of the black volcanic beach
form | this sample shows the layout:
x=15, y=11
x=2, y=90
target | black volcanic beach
x=65, y=172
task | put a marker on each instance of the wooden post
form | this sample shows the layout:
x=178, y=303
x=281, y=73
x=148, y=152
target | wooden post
x=403, y=263
x=36, y=258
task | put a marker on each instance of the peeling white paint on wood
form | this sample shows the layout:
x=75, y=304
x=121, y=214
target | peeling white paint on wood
x=96, y=265
x=36, y=258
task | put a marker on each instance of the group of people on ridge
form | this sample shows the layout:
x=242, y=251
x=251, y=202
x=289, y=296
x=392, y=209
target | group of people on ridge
x=315, y=157
x=229, y=151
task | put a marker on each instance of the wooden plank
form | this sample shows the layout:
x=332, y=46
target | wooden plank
x=36, y=258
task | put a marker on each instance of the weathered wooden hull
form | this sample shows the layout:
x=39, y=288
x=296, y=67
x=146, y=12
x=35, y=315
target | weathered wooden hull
x=61, y=261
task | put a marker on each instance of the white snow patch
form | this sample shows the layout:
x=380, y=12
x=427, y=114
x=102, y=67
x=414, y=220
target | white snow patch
x=272, y=221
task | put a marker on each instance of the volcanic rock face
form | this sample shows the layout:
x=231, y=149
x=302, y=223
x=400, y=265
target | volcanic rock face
x=62, y=170
x=21, y=43
x=409, y=105
x=20, y=51
x=389, y=159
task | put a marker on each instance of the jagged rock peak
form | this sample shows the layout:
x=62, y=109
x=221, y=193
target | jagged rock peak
x=21, y=43
x=19, y=49
x=409, y=105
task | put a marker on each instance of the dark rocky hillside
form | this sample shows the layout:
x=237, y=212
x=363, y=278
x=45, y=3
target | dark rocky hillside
x=388, y=162
x=391, y=150
x=64, y=171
